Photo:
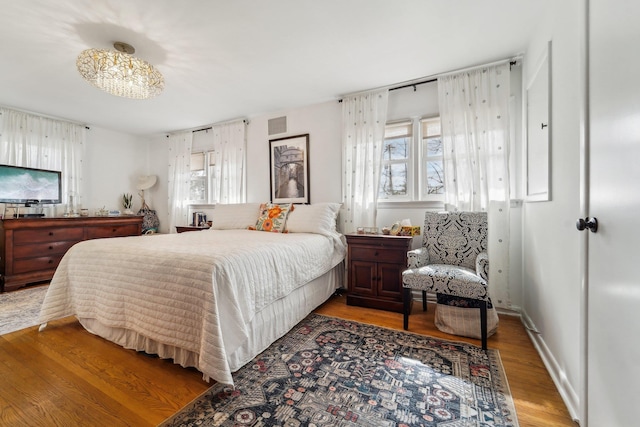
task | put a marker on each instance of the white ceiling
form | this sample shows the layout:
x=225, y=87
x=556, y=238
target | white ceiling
x=228, y=59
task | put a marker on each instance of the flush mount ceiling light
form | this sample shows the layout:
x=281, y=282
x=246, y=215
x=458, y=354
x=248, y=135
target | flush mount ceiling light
x=120, y=73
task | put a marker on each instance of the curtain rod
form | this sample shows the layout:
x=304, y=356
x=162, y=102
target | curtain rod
x=430, y=79
x=44, y=116
x=197, y=129
x=218, y=124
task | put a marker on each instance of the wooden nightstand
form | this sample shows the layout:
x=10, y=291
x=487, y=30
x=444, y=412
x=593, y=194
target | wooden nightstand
x=185, y=228
x=374, y=266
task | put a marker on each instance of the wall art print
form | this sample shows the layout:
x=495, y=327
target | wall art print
x=289, y=169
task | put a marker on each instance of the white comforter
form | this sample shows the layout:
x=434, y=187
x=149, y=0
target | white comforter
x=197, y=291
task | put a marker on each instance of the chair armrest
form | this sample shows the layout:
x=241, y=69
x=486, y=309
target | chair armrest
x=482, y=265
x=417, y=258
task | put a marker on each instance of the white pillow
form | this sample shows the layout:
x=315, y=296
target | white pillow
x=234, y=216
x=319, y=218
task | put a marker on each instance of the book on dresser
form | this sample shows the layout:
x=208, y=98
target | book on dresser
x=31, y=248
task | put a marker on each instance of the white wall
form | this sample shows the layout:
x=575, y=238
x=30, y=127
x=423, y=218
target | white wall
x=551, y=276
x=157, y=197
x=323, y=124
x=112, y=163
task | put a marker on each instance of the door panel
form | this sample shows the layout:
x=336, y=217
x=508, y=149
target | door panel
x=363, y=275
x=390, y=283
x=613, y=313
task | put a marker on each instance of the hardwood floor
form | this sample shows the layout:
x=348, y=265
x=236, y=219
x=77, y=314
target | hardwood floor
x=65, y=376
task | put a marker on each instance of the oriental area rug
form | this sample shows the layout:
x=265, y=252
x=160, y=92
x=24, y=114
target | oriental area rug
x=332, y=372
x=20, y=309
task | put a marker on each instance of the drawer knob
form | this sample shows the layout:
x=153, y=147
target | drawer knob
x=50, y=261
x=51, y=233
x=50, y=248
x=376, y=253
x=114, y=230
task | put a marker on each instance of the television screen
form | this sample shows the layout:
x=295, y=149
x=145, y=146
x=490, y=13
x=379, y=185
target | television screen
x=29, y=185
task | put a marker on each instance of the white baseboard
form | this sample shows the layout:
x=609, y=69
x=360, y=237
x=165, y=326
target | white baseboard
x=567, y=392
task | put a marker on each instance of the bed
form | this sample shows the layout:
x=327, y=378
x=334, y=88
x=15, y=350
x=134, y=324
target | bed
x=210, y=299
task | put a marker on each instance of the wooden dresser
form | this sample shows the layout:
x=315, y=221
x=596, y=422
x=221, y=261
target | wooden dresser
x=375, y=266
x=31, y=248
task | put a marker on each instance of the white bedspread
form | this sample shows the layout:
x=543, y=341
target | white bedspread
x=197, y=291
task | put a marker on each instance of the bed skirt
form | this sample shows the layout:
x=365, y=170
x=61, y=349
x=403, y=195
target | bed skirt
x=269, y=324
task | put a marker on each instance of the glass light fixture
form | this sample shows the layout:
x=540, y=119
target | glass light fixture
x=120, y=73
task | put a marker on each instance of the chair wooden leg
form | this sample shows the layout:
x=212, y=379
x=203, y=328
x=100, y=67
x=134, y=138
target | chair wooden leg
x=408, y=296
x=424, y=300
x=483, y=323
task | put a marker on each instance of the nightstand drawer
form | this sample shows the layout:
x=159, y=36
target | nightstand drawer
x=378, y=254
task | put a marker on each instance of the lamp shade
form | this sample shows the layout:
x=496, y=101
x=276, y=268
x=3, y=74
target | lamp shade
x=145, y=182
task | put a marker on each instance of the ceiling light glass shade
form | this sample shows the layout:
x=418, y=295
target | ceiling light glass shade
x=119, y=73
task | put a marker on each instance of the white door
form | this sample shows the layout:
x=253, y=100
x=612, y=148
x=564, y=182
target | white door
x=613, y=356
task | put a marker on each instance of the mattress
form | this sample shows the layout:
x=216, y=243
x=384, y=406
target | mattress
x=192, y=297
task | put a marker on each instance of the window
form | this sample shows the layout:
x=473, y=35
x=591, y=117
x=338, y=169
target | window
x=412, y=161
x=432, y=166
x=202, y=183
x=394, y=177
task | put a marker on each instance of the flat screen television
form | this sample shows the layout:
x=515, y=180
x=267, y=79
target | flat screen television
x=29, y=186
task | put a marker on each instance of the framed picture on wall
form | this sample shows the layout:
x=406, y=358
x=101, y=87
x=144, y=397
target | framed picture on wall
x=289, y=169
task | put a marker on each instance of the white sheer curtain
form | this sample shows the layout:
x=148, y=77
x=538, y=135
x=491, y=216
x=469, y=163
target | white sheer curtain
x=364, y=118
x=40, y=142
x=474, y=112
x=179, y=178
x=230, y=146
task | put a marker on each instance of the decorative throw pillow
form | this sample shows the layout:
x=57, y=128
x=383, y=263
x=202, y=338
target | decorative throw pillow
x=319, y=218
x=234, y=216
x=273, y=217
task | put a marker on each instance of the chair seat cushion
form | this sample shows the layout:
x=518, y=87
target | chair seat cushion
x=446, y=279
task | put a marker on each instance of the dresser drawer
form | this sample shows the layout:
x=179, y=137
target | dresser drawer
x=42, y=249
x=28, y=236
x=376, y=254
x=112, y=231
x=35, y=264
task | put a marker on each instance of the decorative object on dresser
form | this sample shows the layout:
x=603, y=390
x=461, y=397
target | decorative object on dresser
x=31, y=248
x=127, y=203
x=150, y=222
x=375, y=266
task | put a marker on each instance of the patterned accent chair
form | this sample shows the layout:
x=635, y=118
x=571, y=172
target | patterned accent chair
x=451, y=262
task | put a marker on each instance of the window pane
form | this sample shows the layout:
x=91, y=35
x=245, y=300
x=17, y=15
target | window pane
x=433, y=147
x=396, y=149
x=435, y=177
x=393, y=181
x=197, y=186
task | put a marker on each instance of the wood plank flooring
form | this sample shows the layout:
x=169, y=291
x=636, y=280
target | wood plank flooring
x=64, y=376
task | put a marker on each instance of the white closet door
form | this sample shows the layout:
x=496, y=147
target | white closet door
x=614, y=188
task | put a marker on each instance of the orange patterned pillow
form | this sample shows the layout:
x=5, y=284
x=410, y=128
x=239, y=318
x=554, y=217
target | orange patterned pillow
x=273, y=217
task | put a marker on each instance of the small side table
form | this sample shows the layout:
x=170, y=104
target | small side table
x=375, y=264
x=185, y=228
